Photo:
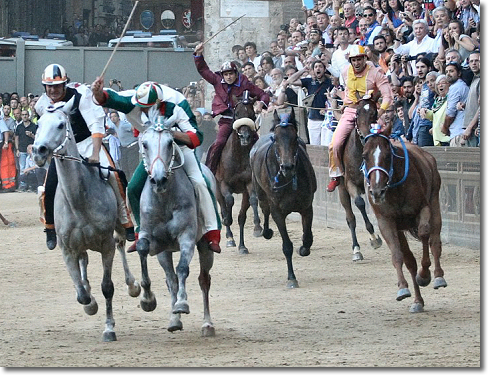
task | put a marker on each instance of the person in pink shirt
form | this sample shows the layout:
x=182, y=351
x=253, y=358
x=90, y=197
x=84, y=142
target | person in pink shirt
x=361, y=77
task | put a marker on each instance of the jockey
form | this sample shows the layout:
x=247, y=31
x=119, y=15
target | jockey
x=87, y=121
x=361, y=77
x=228, y=83
x=142, y=108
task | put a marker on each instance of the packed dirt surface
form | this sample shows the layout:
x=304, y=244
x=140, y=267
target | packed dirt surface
x=344, y=314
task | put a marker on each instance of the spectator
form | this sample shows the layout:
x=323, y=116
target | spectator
x=266, y=66
x=350, y=19
x=437, y=113
x=248, y=70
x=471, y=106
x=32, y=176
x=374, y=28
x=277, y=54
x=252, y=53
x=339, y=57
x=453, y=55
x=454, y=37
x=421, y=43
x=458, y=92
x=24, y=135
x=317, y=85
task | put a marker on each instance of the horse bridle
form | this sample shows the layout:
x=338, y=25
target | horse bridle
x=389, y=173
x=283, y=123
x=175, y=148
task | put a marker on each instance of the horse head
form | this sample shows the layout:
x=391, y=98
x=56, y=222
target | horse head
x=366, y=114
x=285, y=131
x=53, y=132
x=244, y=118
x=160, y=153
x=378, y=162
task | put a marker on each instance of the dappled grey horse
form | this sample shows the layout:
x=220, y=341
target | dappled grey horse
x=170, y=222
x=85, y=212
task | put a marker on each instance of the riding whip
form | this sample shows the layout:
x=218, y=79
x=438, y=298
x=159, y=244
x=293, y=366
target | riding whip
x=120, y=38
x=218, y=32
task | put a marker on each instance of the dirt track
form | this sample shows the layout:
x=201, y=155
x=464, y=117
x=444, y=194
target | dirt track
x=343, y=314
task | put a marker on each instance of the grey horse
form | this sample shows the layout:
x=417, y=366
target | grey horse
x=85, y=212
x=170, y=222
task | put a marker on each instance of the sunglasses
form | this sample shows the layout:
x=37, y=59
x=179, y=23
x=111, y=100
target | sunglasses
x=368, y=15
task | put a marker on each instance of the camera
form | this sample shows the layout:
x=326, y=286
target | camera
x=193, y=85
x=114, y=81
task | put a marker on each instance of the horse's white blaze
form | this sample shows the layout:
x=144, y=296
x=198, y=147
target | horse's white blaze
x=366, y=107
x=376, y=155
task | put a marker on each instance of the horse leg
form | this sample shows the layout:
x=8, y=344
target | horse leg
x=108, y=292
x=374, y=240
x=187, y=247
x=435, y=244
x=411, y=264
x=287, y=246
x=242, y=221
x=392, y=237
x=206, y=257
x=133, y=287
x=307, y=218
x=345, y=199
x=92, y=307
x=423, y=277
x=253, y=200
x=165, y=259
x=148, y=300
x=226, y=214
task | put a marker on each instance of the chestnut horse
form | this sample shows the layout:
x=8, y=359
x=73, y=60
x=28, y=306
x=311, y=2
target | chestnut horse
x=403, y=184
x=285, y=182
x=352, y=184
x=234, y=173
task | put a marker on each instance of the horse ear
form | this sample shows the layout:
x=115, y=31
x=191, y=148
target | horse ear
x=69, y=105
x=275, y=116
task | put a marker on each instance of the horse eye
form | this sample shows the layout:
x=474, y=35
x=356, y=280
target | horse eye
x=144, y=144
x=61, y=126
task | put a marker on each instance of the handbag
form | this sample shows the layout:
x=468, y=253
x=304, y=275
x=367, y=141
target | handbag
x=308, y=100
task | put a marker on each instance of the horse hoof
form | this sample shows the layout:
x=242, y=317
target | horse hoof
x=423, y=281
x=376, y=243
x=303, y=251
x=231, y=243
x=134, y=290
x=243, y=250
x=268, y=233
x=292, y=284
x=148, y=305
x=403, y=293
x=91, y=308
x=176, y=326
x=357, y=257
x=109, y=336
x=208, y=331
x=439, y=282
x=258, y=232
x=181, y=308
x=416, y=308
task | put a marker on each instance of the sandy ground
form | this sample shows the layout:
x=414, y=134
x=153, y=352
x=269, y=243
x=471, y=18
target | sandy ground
x=343, y=314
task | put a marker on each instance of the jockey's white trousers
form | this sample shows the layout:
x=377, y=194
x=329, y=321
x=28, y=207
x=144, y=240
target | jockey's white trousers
x=85, y=148
x=192, y=169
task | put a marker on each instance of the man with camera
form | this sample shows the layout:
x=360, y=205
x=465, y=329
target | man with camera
x=422, y=43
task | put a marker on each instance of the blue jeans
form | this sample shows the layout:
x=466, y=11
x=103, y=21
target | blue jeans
x=424, y=138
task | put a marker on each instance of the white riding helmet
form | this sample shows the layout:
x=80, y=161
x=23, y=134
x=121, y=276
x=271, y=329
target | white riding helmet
x=147, y=94
x=54, y=74
x=357, y=51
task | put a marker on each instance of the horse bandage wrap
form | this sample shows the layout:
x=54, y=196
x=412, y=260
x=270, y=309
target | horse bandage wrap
x=244, y=121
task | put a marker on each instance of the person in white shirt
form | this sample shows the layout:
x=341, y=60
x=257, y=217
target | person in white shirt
x=339, y=57
x=422, y=43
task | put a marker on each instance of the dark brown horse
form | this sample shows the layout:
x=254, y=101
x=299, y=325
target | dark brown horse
x=284, y=181
x=352, y=184
x=234, y=173
x=403, y=186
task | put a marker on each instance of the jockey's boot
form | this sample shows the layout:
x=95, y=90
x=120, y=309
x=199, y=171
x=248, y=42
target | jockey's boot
x=334, y=182
x=51, y=240
x=129, y=234
x=132, y=247
x=213, y=239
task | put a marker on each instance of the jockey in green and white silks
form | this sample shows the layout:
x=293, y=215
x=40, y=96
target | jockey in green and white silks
x=142, y=107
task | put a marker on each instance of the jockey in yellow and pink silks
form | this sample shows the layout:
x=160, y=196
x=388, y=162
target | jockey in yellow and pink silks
x=361, y=77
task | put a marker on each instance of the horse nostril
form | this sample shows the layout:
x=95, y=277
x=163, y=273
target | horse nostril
x=152, y=180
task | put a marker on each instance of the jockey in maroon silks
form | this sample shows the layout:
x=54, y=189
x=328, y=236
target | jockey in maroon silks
x=228, y=83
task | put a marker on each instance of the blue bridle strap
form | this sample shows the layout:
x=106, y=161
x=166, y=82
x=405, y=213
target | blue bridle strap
x=393, y=154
